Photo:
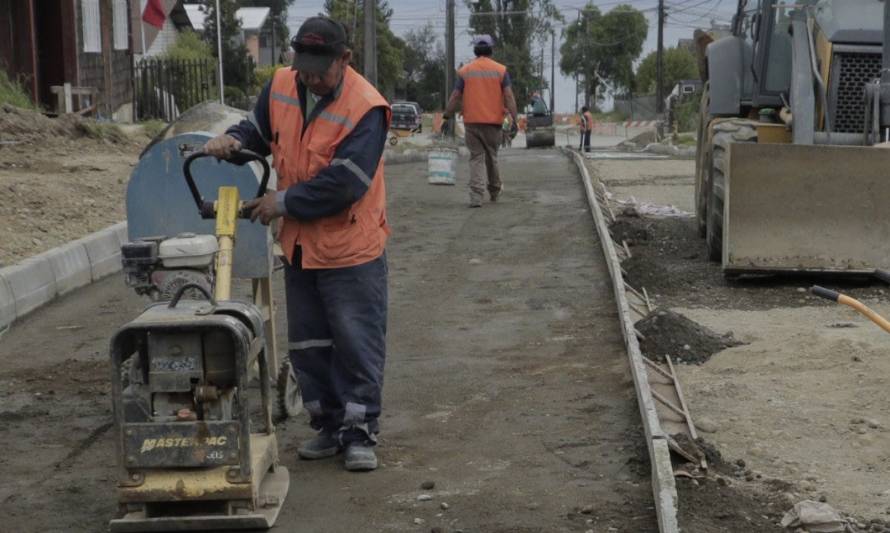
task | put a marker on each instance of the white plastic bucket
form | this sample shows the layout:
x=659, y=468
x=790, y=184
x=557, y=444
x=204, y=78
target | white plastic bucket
x=442, y=166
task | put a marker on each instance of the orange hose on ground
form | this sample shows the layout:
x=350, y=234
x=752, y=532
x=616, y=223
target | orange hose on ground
x=865, y=310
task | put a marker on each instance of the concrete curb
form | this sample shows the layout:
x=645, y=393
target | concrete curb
x=38, y=280
x=664, y=487
x=104, y=251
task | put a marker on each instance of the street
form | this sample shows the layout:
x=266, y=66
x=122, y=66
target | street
x=506, y=384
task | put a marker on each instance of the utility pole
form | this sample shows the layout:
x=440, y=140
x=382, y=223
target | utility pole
x=222, y=98
x=449, y=49
x=659, y=62
x=370, y=49
x=543, y=79
x=577, y=79
x=552, y=72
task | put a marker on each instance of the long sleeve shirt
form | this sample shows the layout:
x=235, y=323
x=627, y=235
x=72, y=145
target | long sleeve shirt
x=335, y=187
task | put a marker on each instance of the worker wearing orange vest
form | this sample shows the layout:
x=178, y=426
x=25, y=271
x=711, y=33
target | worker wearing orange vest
x=325, y=127
x=484, y=88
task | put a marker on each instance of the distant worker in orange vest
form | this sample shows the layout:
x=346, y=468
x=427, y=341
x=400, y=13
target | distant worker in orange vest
x=484, y=87
x=325, y=126
x=586, y=129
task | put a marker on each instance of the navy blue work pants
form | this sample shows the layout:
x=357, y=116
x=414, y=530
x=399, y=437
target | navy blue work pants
x=337, y=344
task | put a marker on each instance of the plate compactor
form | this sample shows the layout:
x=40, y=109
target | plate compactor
x=187, y=458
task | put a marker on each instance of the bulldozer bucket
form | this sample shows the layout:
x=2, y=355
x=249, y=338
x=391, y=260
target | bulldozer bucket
x=798, y=208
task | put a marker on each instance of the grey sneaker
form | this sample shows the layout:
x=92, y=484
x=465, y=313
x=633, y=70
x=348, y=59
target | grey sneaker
x=323, y=445
x=360, y=458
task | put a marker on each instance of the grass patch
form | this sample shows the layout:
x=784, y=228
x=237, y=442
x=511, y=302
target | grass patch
x=611, y=116
x=13, y=93
x=101, y=131
x=153, y=128
x=684, y=139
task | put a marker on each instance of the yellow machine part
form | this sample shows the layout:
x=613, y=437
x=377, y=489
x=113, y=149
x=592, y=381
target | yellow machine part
x=204, y=483
x=806, y=208
x=227, y=207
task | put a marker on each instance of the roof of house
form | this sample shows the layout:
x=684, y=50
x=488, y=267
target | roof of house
x=196, y=13
x=251, y=18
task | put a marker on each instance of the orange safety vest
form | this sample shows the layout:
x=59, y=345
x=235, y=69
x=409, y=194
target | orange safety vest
x=358, y=234
x=483, y=99
x=589, y=118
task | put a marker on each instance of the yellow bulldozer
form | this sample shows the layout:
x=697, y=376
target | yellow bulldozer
x=790, y=174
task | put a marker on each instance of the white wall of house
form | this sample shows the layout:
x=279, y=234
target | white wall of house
x=165, y=39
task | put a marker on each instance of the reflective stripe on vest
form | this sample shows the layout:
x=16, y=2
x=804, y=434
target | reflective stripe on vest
x=483, y=98
x=358, y=234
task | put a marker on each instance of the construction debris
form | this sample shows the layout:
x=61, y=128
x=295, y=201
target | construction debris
x=815, y=517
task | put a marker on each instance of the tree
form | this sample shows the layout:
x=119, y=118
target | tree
x=390, y=49
x=238, y=67
x=424, y=67
x=679, y=64
x=278, y=14
x=516, y=35
x=188, y=46
x=601, y=47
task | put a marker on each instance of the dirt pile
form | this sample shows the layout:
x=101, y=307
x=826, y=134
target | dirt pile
x=23, y=126
x=670, y=261
x=639, y=141
x=669, y=333
x=61, y=179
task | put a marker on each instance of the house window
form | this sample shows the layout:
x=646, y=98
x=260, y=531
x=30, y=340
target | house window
x=119, y=10
x=92, y=35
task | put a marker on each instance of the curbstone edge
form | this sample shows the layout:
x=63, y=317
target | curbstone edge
x=7, y=303
x=71, y=267
x=104, y=252
x=121, y=229
x=31, y=282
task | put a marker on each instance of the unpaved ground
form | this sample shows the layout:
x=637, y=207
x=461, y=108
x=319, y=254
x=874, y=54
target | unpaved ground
x=507, y=382
x=59, y=181
x=802, y=402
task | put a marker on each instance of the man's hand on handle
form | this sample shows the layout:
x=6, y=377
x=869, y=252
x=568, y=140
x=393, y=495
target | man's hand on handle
x=266, y=209
x=222, y=146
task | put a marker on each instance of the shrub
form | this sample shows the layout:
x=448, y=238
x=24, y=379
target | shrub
x=11, y=92
x=235, y=97
x=264, y=75
x=189, y=46
x=686, y=114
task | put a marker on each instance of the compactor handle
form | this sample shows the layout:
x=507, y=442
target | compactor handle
x=238, y=158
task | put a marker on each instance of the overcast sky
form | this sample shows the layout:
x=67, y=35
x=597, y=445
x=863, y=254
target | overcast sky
x=683, y=17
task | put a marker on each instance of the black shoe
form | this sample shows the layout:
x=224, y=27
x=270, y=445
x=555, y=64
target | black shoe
x=360, y=457
x=323, y=445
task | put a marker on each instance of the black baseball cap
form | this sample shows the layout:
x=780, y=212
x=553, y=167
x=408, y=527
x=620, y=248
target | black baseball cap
x=318, y=42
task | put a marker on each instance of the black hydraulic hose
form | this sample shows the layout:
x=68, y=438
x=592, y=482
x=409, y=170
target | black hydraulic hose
x=181, y=291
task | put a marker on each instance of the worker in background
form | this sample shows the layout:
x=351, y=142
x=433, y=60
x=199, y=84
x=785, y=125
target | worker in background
x=586, y=128
x=484, y=87
x=325, y=127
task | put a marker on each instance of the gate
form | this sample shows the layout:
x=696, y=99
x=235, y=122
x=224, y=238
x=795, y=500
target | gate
x=165, y=88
